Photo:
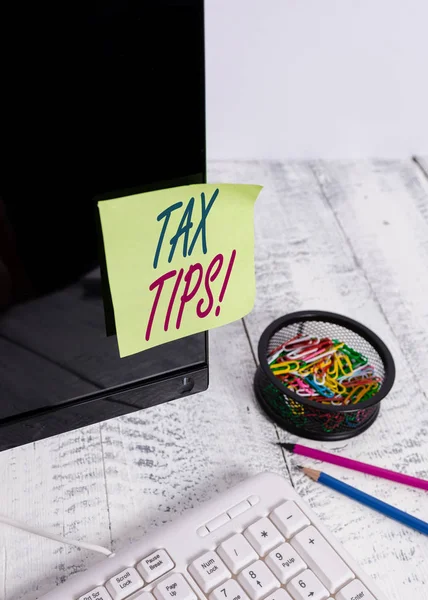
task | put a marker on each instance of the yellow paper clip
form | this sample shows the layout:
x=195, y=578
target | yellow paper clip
x=285, y=367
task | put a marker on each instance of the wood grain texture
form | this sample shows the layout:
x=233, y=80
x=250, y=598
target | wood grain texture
x=306, y=259
x=319, y=244
x=57, y=484
x=381, y=208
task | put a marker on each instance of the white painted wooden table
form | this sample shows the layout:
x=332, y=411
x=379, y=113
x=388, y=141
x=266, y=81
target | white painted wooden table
x=347, y=237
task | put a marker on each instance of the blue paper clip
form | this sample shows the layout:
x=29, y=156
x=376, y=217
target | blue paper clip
x=324, y=391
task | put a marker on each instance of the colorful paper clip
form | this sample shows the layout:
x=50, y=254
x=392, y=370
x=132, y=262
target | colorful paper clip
x=324, y=370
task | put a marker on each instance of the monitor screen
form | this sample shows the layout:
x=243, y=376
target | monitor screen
x=99, y=100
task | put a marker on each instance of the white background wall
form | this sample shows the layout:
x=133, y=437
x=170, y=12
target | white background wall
x=316, y=78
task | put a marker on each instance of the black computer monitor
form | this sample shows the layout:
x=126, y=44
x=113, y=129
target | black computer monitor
x=99, y=99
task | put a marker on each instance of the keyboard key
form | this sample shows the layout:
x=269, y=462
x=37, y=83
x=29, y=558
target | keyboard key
x=209, y=571
x=354, y=591
x=237, y=553
x=258, y=581
x=263, y=536
x=218, y=522
x=174, y=587
x=253, y=500
x=231, y=590
x=305, y=586
x=143, y=596
x=238, y=509
x=280, y=594
x=285, y=563
x=155, y=565
x=124, y=584
x=202, y=531
x=99, y=593
x=289, y=519
x=327, y=565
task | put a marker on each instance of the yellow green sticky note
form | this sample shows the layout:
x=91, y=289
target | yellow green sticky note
x=179, y=261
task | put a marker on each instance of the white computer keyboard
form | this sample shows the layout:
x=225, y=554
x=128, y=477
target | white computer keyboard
x=257, y=541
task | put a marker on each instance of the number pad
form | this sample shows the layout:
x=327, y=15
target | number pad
x=231, y=590
x=285, y=563
x=289, y=519
x=208, y=571
x=305, y=586
x=258, y=581
x=237, y=553
x=263, y=536
x=322, y=559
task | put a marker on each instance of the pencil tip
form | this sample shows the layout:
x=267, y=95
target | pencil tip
x=312, y=473
x=301, y=467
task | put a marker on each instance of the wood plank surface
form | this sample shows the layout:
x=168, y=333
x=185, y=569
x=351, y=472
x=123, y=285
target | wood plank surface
x=57, y=484
x=319, y=244
x=381, y=208
x=305, y=259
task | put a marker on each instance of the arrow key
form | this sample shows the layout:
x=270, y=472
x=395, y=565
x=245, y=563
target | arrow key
x=257, y=580
x=307, y=587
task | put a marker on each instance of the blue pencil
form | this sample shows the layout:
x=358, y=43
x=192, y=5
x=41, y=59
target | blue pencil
x=370, y=501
